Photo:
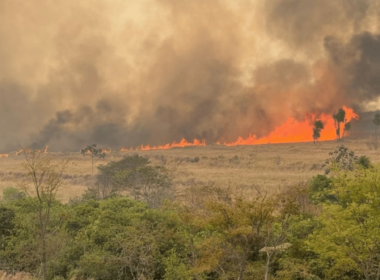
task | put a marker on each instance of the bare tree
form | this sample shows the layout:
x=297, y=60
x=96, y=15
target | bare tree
x=46, y=178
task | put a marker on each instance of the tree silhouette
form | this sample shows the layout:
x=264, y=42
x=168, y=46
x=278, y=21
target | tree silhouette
x=376, y=121
x=318, y=126
x=95, y=154
x=340, y=118
x=347, y=126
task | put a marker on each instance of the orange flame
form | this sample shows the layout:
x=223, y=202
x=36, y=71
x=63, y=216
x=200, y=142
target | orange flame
x=183, y=143
x=296, y=131
x=290, y=131
x=4, y=155
x=26, y=151
x=106, y=151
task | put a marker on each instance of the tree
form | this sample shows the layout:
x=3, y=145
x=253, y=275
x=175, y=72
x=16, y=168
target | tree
x=338, y=119
x=119, y=238
x=348, y=238
x=347, y=126
x=135, y=175
x=246, y=226
x=341, y=159
x=376, y=121
x=318, y=126
x=6, y=227
x=46, y=178
x=94, y=153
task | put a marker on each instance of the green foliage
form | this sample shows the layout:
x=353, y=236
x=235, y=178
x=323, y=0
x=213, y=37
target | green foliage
x=217, y=234
x=376, y=119
x=119, y=238
x=364, y=162
x=133, y=175
x=11, y=193
x=348, y=238
x=341, y=159
x=175, y=269
x=6, y=221
x=321, y=190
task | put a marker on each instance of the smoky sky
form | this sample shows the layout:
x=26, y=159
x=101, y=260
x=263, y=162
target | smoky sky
x=125, y=73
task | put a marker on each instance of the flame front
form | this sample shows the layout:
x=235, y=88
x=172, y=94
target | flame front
x=183, y=143
x=296, y=131
x=290, y=131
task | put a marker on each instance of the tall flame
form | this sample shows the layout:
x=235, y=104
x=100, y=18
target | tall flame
x=295, y=131
x=290, y=131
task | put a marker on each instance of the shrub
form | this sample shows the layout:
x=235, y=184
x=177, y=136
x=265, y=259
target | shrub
x=12, y=193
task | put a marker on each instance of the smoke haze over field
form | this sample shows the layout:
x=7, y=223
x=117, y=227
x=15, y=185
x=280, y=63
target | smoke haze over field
x=124, y=73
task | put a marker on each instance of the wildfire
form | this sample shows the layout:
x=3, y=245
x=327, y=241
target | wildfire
x=126, y=150
x=22, y=151
x=29, y=151
x=183, y=143
x=290, y=131
x=295, y=131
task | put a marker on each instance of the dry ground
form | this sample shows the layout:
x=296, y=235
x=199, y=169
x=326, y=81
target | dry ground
x=270, y=166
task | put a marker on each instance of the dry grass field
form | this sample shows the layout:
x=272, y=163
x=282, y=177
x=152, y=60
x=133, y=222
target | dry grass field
x=269, y=167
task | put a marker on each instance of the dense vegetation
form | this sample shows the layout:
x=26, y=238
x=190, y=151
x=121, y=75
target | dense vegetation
x=129, y=225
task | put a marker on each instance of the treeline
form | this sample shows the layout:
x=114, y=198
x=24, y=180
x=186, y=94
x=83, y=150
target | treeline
x=326, y=229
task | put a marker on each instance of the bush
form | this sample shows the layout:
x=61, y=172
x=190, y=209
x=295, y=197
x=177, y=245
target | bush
x=195, y=160
x=364, y=162
x=321, y=190
x=137, y=177
x=12, y=193
x=342, y=159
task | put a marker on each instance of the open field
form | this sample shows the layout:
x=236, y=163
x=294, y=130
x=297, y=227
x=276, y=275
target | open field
x=270, y=166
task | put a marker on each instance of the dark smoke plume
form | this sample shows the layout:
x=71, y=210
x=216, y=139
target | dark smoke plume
x=126, y=73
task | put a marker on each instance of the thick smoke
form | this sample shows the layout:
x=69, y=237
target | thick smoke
x=126, y=73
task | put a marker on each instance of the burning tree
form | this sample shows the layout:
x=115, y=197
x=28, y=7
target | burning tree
x=339, y=119
x=318, y=126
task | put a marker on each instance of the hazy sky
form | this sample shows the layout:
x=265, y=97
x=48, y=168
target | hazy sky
x=127, y=72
